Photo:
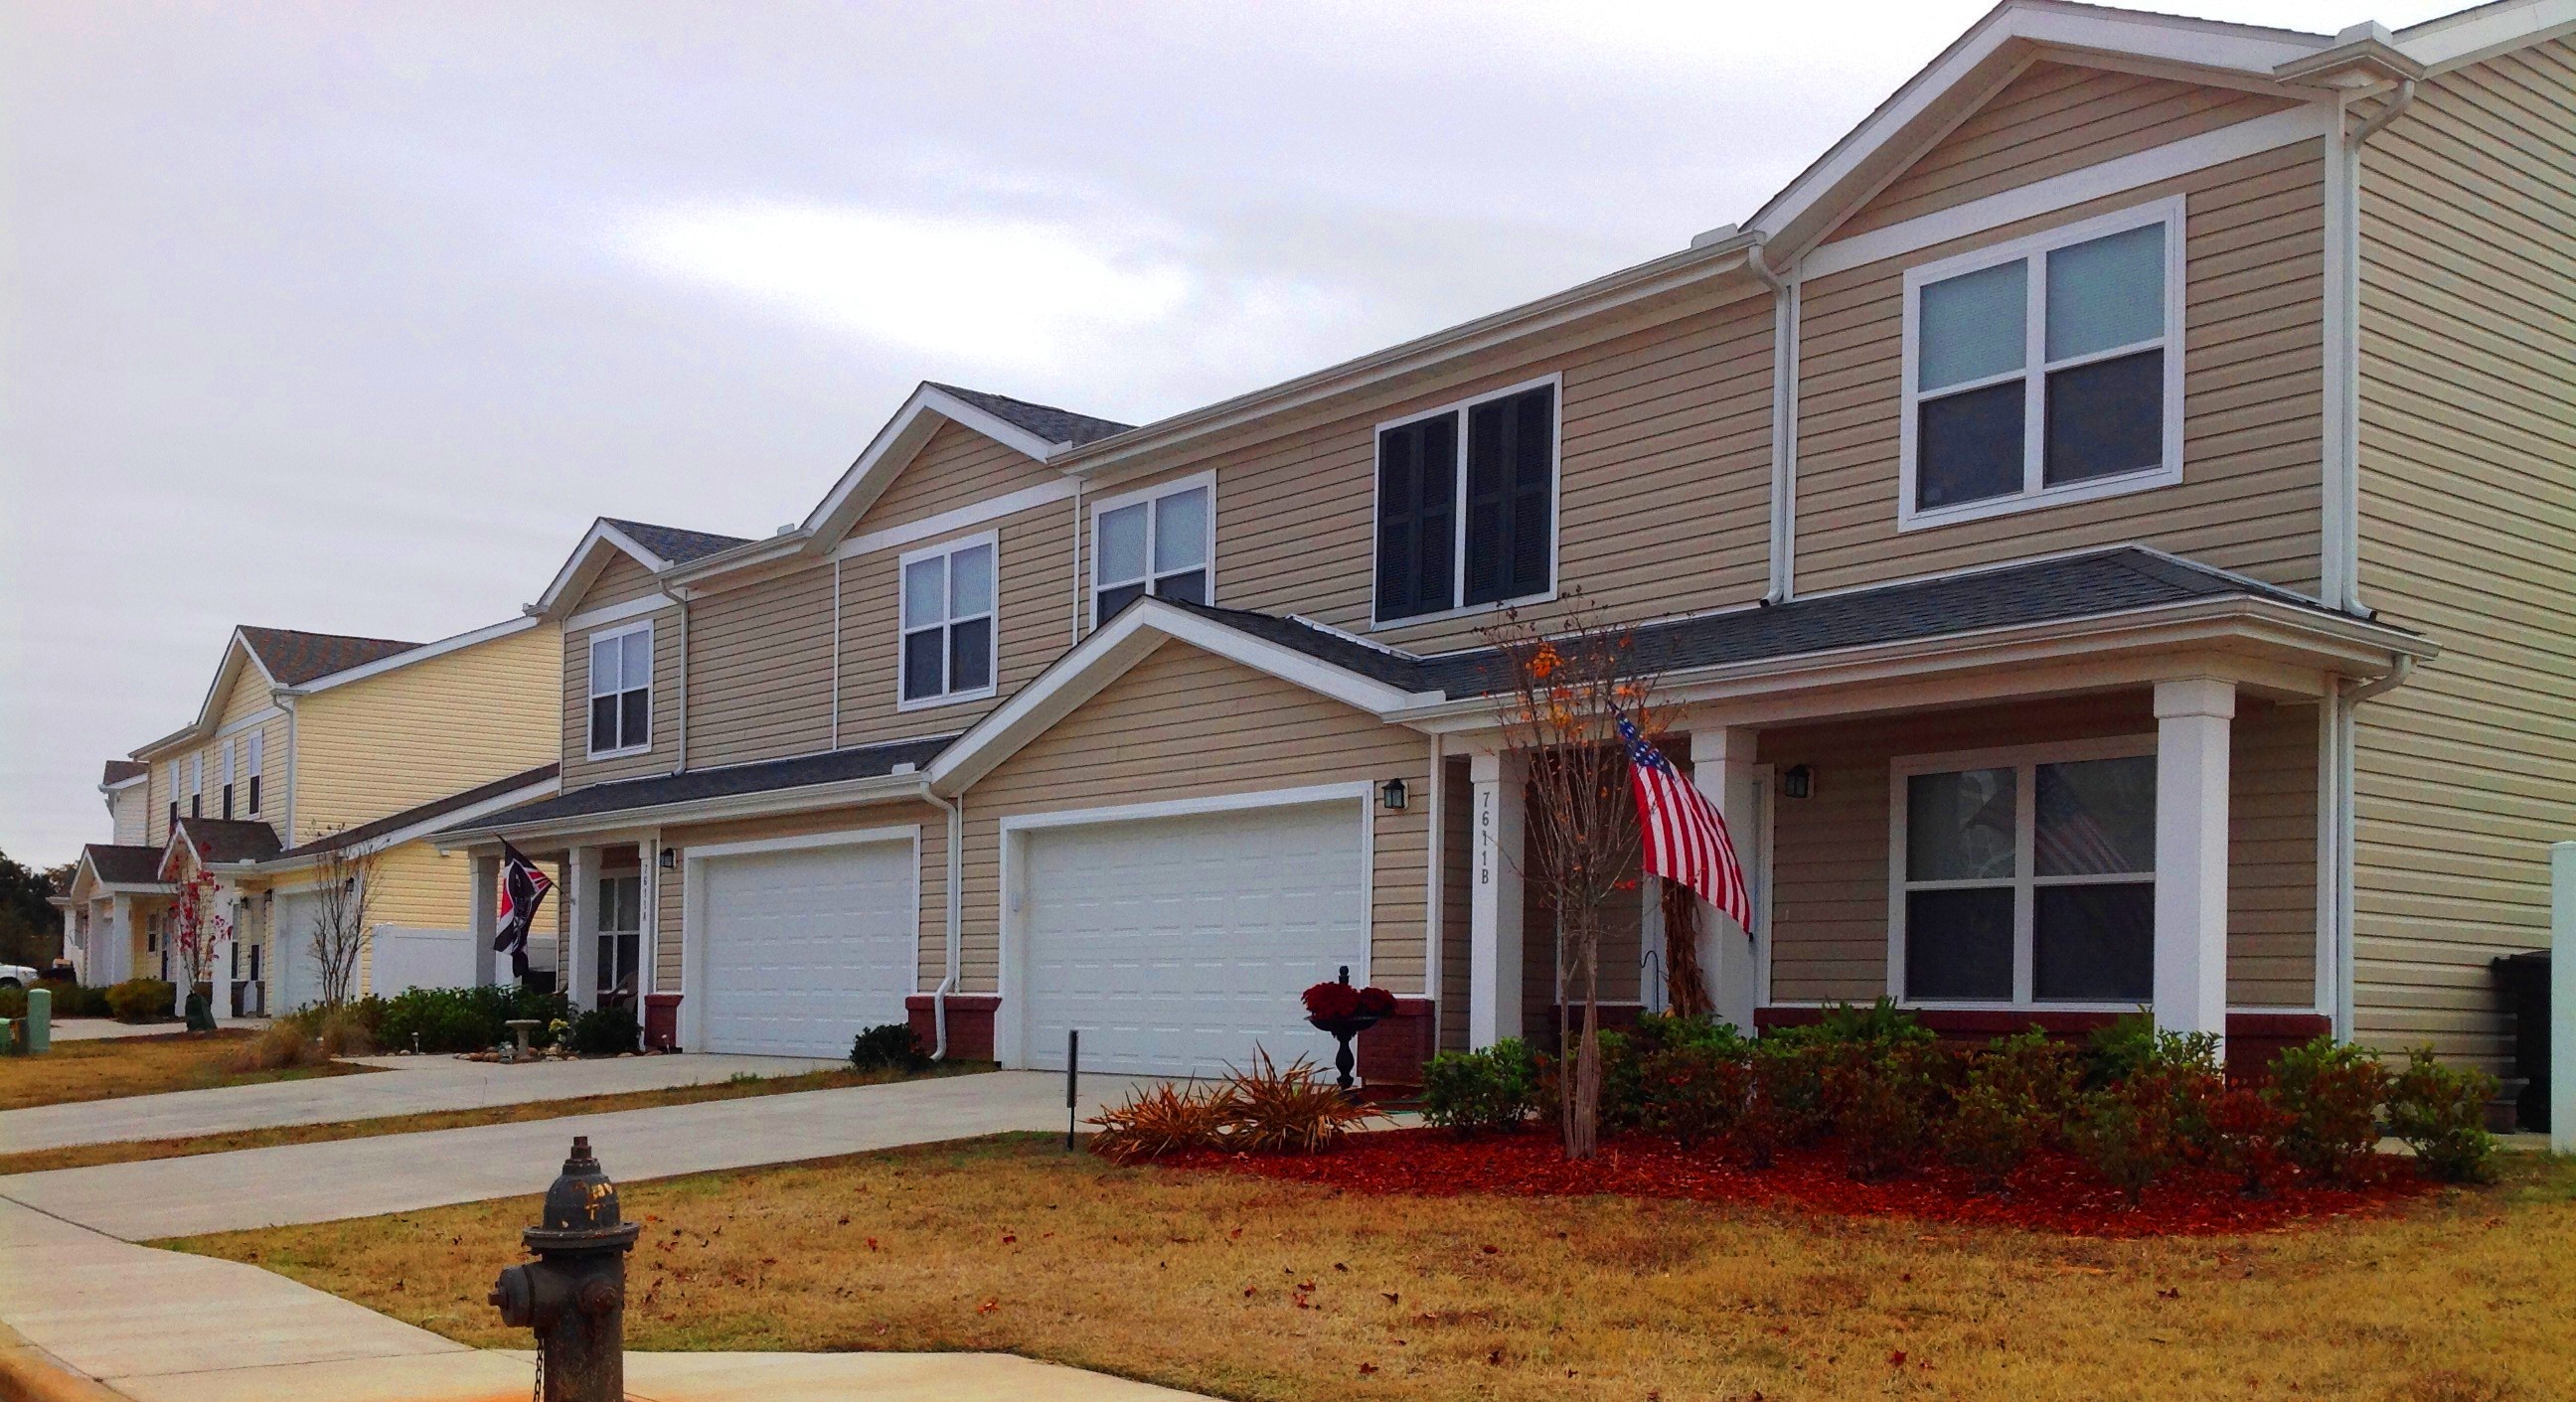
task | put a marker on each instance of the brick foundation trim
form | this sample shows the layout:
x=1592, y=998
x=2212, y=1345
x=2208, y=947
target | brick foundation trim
x=2253, y=1039
x=970, y=1023
x=661, y=1021
x=1394, y=1052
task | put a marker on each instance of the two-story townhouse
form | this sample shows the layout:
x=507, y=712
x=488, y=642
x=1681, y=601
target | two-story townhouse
x=2104, y=525
x=308, y=744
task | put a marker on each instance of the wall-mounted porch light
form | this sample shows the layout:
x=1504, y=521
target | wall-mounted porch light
x=1798, y=782
x=1390, y=795
x=670, y=859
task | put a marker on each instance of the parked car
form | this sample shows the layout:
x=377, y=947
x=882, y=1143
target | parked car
x=16, y=976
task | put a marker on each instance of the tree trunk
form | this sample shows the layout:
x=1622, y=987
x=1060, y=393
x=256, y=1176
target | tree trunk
x=1566, y=1051
x=1685, y=982
x=1583, y=1098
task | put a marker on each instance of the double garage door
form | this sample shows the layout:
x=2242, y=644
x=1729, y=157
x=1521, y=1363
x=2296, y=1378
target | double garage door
x=1179, y=945
x=805, y=946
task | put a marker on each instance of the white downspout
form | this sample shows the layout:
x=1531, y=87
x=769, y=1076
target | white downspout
x=955, y=948
x=1077, y=559
x=836, y=652
x=1784, y=422
x=682, y=720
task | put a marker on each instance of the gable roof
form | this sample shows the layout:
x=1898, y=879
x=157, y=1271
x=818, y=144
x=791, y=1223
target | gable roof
x=640, y=541
x=292, y=657
x=111, y=864
x=121, y=772
x=675, y=545
x=1045, y=420
x=222, y=841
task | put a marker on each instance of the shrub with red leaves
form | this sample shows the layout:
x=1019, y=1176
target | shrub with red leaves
x=2244, y=1140
x=1337, y=1002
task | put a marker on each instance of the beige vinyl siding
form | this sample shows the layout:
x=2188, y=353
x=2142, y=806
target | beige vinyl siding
x=1829, y=862
x=423, y=731
x=2464, y=775
x=1457, y=901
x=956, y=467
x=1663, y=488
x=670, y=887
x=760, y=668
x=2253, y=380
x=2051, y=119
x=579, y=769
x=1184, y=724
x=130, y=814
x=620, y=581
x=1033, y=575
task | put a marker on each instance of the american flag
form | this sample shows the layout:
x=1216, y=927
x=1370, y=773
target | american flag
x=1685, y=836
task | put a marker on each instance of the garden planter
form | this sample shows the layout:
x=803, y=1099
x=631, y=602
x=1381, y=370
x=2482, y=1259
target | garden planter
x=1342, y=1030
x=1344, y=1012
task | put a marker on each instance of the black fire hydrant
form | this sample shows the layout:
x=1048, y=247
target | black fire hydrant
x=574, y=1293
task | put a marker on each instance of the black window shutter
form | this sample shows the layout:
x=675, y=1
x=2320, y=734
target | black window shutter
x=1511, y=496
x=1416, y=520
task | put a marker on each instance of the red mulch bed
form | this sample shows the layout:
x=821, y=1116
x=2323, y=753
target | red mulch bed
x=2054, y=1192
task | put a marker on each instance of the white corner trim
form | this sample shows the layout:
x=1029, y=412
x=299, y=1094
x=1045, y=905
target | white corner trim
x=619, y=613
x=958, y=519
x=2112, y=177
x=855, y=837
x=1360, y=789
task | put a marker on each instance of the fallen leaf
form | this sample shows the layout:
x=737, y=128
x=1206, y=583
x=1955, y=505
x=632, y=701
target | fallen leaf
x=990, y=1304
x=1367, y=1368
x=1896, y=1359
x=1391, y=1297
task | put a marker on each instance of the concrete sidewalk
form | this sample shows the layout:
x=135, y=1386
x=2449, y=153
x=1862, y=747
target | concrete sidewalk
x=157, y=1198
x=406, y=1085
x=158, y=1326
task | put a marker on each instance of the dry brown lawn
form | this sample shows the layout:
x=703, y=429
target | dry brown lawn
x=1247, y=1288
x=128, y=1151
x=109, y=1067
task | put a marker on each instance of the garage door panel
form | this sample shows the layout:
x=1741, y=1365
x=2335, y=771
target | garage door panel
x=1179, y=945
x=805, y=947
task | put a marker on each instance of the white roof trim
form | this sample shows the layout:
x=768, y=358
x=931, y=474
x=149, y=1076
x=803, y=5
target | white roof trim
x=2485, y=31
x=527, y=793
x=143, y=778
x=422, y=653
x=799, y=798
x=895, y=445
x=577, y=570
x=237, y=649
x=1109, y=652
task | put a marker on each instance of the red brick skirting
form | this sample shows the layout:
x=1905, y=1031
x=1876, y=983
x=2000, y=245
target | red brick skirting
x=661, y=1021
x=1393, y=1052
x=970, y=1023
x=2253, y=1039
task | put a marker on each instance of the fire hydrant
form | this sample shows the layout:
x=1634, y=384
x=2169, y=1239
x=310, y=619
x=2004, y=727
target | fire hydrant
x=574, y=1294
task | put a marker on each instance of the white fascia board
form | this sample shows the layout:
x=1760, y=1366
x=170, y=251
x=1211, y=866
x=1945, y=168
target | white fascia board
x=894, y=446
x=422, y=653
x=2201, y=43
x=237, y=652
x=142, y=778
x=782, y=546
x=619, y=613
x=1109, y=652
x=765, y=803
x=577, y=568
x=2485, y=31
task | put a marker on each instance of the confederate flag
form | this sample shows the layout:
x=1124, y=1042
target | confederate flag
x=523, y=889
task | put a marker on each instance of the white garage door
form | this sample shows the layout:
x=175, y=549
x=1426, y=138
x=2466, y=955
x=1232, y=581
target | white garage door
x=1178, y=945
x=803, y=948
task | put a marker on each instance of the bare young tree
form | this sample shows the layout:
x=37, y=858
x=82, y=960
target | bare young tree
x=1566, y=688
x=341, y=929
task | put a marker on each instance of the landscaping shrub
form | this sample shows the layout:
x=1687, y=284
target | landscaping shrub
x=13, y=1002
x=142, y=999
x=1164, y=1119
x=1290, y=1110
x=1880, y=1095
x=461, y=1019
x=1692, y=1093
x=1495, y=1088
x=1627, y=1059
x=606, y=1032
x=348, y=1030
x=2242, y=1135
x=2014, y=1099
x=2133, y=1044
x=1882, y=1023
x=75, y=1000
x=1784, y=1100
x=2331, y=1094
x=279, y=1045
x=2126, y=1133
x=2046, y=1071
x=888, y=1046
x=2441, y=1113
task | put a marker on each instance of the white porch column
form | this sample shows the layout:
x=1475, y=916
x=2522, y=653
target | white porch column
x=115, y=947
x=581, y=912
x=1501, y=782
x=486, y=916
x=2193, y=718
x=1722, y=768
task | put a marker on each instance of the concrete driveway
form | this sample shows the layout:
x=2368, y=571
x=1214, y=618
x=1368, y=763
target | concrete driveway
x=402, y=1172
x=407, y=1085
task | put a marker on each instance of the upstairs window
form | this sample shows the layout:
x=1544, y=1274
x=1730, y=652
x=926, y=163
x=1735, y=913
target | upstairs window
x=1466, y=505
x=257, y=758
x=2046, y=370
x=948, y=643
x=1153, y=542
x=621, y=692
x=228, y=780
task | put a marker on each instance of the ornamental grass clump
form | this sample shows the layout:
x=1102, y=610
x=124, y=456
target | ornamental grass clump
x=2331, y=1093
x=2441, y=1113
x=1287, y=1110
x=1164, y=1119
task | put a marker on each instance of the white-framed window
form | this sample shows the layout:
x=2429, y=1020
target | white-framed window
x=2045, y=370
x=621, y=691
x=948, y=647
x=197, y=784
x=258, y=756
x=2025, y=877
x=228, y=779
x=621, y=936
x=1159, y=541
x=1467, y=505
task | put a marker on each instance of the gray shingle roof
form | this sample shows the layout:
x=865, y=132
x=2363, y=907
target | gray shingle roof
x=124, y=866
x=674, y=544
x=803, y=771
x=120, y=770
x=1045, y=420
x=421, y=813
x=295, y=657
x=230, y=839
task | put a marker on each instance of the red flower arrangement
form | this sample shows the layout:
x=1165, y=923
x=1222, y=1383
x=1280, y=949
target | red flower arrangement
x=1338, y=1002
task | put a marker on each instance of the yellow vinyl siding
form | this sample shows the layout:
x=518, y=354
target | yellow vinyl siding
x=1033, y=580
x=956, y=467
x=1183, y=724
x=1667, y=423
x=1829, y=863
x=760, y=668
x=2253, y=399
x=579, y=769
x=423, y=731
x=2464, y=775
x=2051, y=119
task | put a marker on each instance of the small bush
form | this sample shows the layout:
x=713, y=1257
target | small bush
x=1693, y=1093
x=1881, y=1095
x=279, y=1045
x=888, y=1046
x=2133, y=1044
x=74, y=1000
x=458, y=1019
x=1882, y=1023
x=2241, y=1135
x=2015, y=1099
x=2126, y=1133
x=142, y=999
x=2331, y=1094
x=1467, y=1092
x=1627, y=1058
x=1784, y=1100
x=2441, y=1113
x=1164, y=1119
x=604, y=1032
x=13, y=1001
x=2046, y=1071
x=1291, y=1110
x=346, y=1030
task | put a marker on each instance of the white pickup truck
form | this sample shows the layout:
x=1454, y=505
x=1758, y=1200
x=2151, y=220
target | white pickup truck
x=16, y=976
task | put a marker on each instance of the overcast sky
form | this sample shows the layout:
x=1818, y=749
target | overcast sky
x=350, y=318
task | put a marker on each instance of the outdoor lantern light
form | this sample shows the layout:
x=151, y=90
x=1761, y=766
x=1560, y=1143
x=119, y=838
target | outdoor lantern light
x=1799, y=782
x=670, y=859
x=1391, y=795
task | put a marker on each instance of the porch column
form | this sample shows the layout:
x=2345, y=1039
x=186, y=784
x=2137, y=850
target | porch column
x=1501, y=782
x=2193, y=718
x=1722, y=767
x=485, y=885
x=115, y=948
x=580, y=968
